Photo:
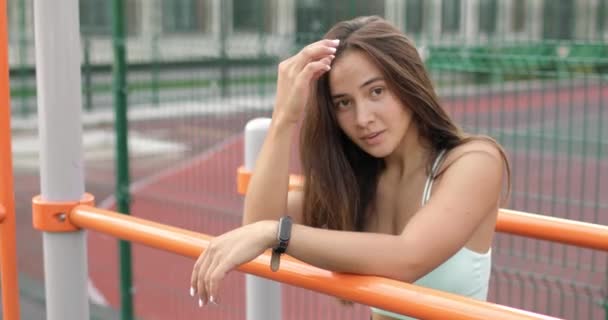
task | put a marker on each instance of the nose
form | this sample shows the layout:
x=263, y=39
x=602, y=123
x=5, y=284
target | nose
x=364, y=115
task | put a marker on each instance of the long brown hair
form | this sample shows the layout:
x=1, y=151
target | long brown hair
x=341, y=179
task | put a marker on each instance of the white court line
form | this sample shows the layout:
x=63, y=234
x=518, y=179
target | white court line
x=186, y=164
x=94, y=294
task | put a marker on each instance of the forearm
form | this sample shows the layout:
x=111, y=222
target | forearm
x=266, y=196
x=353, y=252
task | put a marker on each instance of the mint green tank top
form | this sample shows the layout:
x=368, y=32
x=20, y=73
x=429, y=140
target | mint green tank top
x=466, y=273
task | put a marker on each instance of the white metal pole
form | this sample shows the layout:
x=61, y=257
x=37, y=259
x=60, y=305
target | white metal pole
x=263, y=296
x=58, y=83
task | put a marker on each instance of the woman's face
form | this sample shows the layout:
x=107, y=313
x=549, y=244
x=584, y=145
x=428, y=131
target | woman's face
x=366, y=110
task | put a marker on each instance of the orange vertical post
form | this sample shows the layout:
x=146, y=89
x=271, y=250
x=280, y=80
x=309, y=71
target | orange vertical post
x=8, y=238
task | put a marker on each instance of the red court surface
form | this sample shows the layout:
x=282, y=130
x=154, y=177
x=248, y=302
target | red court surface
x=162, y=279
x=198, y=192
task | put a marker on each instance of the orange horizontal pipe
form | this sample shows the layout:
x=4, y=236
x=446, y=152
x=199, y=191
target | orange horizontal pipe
x=243, y=176
x=566, y=231
x=8, y=236
x=379, y=292
x=2, y=213
x=537, y=226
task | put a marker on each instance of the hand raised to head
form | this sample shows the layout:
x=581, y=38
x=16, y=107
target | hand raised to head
x=297, y=75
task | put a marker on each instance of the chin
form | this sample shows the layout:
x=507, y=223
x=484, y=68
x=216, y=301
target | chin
x=378, y=152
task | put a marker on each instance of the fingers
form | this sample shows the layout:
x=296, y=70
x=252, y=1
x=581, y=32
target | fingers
x=197, y=285
x=314, y=52
x=209, y=270
x=318, y=50
x=295, y=75
x=314, y=70
x=194, y=276
x=327, y=66
x=201, y=286
x=205, y=279
x=223, y=254
x=215, y=274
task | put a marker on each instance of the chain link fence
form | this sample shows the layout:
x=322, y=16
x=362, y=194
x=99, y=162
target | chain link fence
x=532, y=74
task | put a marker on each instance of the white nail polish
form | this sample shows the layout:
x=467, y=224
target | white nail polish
x=336, y=41
x=200, y=302
x=191, y=291
x=212, y=300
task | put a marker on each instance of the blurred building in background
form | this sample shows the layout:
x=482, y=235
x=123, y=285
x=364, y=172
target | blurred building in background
x=252, y=27
x=530, y=73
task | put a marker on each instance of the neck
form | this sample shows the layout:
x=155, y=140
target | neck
x=411, y=155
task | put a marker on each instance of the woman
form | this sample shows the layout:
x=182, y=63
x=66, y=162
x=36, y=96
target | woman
x=386, y=171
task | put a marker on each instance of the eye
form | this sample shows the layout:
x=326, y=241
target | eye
x=377, y=91
x=342, y=104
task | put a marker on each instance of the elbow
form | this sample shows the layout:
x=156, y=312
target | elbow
x=399, y=272
x=409, y=267
x=410, y=270
x=406, y=271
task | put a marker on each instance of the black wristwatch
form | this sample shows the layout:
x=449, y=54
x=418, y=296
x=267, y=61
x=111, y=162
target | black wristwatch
x=283, y=236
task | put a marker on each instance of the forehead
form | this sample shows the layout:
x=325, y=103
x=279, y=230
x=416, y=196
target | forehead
x=350, y=70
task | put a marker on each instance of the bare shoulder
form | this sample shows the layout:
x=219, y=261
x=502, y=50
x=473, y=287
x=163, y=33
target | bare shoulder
x=476, y=152
x=467, y=193
x=480, y=161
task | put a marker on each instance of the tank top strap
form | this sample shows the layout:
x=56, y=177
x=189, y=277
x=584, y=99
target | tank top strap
x=426, y=194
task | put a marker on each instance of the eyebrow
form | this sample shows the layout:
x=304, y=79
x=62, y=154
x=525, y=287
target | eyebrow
x=372, y=80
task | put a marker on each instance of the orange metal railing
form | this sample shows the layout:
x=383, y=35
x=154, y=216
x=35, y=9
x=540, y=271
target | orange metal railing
x=537, y=226
x=8, y=249
x=374, y=291
x=566, y=231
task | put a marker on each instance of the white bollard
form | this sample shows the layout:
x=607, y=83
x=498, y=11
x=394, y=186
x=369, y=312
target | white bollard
x=263, y=296
x=255, y=133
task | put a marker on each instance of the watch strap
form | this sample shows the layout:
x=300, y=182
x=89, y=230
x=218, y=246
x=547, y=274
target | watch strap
x=283, y=237
x=275, y=261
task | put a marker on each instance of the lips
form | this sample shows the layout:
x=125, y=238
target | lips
x=371, y=135
x=373, y=138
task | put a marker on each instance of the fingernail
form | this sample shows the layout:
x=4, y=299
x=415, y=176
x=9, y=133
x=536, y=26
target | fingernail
x=332, y=49
x=200, y=302
x=336, y=41
x=191, y=291
x=211, y=300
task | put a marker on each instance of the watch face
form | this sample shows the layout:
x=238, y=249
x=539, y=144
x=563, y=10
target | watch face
x=284, y=233
x=284, y=229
